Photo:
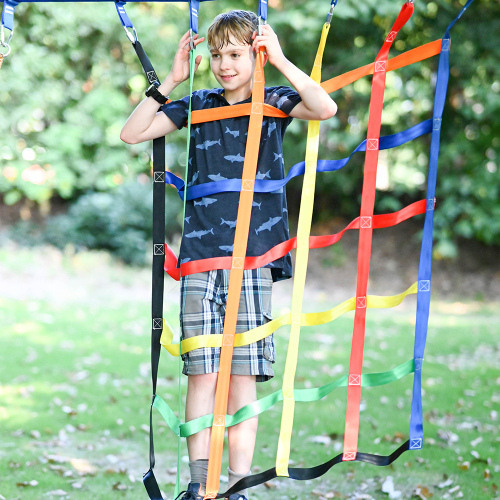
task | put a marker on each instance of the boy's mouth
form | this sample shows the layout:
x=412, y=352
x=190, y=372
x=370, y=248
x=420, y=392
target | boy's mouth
x=226, y=78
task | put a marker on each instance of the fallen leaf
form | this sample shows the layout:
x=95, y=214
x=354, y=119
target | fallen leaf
x=388, y=487
x=57, y=493
x=57, y=459
x=269, y=485
x=464, y=466
x=446, y=483
x=119, y=486
x=487, y=474
x=423, y=492
x=83, y=466
x=27, y=483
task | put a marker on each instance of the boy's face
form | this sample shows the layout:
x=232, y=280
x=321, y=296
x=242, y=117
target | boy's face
x=233, y=65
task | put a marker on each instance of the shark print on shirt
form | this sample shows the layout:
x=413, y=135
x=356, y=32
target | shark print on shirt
x=208, y=144
x=268, y=225
x=217, y=153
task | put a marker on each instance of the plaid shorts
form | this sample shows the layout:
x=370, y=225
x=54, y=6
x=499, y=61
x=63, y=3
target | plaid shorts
x=203, y=308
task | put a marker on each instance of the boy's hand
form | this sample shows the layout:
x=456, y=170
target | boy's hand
x=271, y=44
x=180, y=65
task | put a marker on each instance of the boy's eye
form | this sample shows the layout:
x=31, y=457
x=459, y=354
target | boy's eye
x=214, y=56
x=236, y=55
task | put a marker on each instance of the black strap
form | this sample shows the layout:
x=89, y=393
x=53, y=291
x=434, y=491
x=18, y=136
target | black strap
x=313, y=472
x=158, y=272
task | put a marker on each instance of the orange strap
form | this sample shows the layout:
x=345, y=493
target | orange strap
x=236, y=278
x=211, y=115
x=410, y=57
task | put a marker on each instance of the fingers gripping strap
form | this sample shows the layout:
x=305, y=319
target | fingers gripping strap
x=303, y=233
x=365, y=236
x=236, y=278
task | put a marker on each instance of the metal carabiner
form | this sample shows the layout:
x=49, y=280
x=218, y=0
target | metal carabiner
x=2, y=37
x=330, y=14
x=132, y=37
x=8, y=49
x=191, y=39
x=261, y=23
x=409, y=2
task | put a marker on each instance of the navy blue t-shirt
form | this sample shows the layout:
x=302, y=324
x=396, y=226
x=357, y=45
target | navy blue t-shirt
x=217, y=152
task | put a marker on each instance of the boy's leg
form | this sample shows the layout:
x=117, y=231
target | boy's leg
x=241, y=437
x=199, y=402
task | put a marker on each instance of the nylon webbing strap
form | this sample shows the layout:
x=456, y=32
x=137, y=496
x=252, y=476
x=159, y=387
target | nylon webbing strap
x=9, y=7
x=268, y=186
x=379, y=221
x=306, y=319
x=260, y=406
x=302, y=255
x=236, y=278
x=314, y=472
x=365, y=236
x=425, y=265
x=158, y=265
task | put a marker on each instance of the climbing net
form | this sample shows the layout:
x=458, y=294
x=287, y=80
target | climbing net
x=164, y=260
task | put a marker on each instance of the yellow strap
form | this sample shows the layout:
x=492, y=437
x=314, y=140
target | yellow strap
x=299, y=281
x=307, y=319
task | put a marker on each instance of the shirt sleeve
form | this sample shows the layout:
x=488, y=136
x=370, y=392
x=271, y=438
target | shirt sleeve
x=177, y=111
x=283, y=98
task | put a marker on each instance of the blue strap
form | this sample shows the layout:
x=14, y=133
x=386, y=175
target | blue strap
x=263, y=9
x=268, y=186
x=120, y=8
x=9, y=6
x=425, y=265
x=193, y=17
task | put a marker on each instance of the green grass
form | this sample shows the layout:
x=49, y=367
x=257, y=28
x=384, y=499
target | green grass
x=75, y=395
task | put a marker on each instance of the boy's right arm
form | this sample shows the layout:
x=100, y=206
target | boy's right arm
x=146, y=123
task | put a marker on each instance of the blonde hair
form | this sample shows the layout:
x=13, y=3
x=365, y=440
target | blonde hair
x=239, y=23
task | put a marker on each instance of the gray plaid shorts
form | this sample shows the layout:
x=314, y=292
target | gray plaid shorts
x=203, y=307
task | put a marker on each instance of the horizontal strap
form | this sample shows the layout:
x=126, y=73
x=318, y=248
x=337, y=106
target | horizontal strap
x=214, y=114
x=260, y=406
x=268, y=186
x=303, y=474
x=412, y=56
x=307, y=319
x=280, y=250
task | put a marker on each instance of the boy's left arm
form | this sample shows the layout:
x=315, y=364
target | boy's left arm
x=316, y=103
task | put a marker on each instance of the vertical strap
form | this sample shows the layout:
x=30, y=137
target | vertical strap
x=365, y=236
x=425, y=265
x=263, y=10
x=303, y=233
x=236, y=278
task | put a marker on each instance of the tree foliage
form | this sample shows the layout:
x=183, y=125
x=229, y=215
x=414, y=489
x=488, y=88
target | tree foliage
x=73, y=78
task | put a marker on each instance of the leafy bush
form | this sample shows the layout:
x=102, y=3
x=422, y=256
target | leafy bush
x=118, y=221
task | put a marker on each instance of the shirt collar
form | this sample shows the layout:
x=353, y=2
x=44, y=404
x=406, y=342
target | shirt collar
x=219, y=94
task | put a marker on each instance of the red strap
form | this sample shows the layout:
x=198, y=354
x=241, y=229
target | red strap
x=280, y=250
x=365, y=236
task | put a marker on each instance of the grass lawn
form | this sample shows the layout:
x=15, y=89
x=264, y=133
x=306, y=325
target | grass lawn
x=75, y=395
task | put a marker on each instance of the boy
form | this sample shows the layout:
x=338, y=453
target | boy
x=217, y=152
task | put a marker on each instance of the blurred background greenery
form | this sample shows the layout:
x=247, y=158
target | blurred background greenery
x=73, y=79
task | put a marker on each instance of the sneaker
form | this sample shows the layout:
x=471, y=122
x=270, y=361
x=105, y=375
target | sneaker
x=192, y=493
x=237, y=496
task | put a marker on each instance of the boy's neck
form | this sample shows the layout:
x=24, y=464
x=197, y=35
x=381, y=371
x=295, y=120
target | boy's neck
x=238, y=95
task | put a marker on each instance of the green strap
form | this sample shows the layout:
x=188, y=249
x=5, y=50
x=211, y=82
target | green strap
x=260, y=406
x=174, y=422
